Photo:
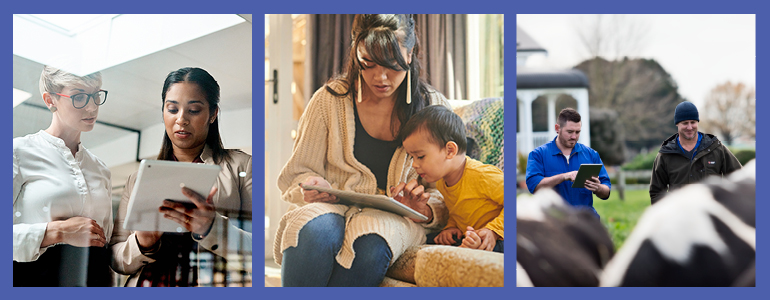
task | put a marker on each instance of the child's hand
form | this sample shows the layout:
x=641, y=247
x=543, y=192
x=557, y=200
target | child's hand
x=413, y=195
x=488, y=239
x=471, y=240
x=446, y=237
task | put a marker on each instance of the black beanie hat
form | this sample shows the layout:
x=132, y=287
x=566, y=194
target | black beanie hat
x=685, y=111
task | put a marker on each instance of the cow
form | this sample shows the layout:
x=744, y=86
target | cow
x=700, y=235
x=558, y=245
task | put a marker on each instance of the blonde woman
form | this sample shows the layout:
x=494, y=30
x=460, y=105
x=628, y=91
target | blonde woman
x=62, y=210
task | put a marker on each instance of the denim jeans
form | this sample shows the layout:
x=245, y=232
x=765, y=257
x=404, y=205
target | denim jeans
x=313, y=263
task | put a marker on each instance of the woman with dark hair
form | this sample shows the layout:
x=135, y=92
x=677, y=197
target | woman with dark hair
x=190, y=114
x=347, y=140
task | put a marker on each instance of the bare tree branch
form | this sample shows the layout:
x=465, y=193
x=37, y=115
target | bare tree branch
x=730, y=111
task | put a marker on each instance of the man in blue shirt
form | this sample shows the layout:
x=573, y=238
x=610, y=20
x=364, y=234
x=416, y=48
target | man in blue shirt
x=555, y=165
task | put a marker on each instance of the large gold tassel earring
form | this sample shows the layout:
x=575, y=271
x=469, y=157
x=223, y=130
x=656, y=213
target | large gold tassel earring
x=360, y=78
x=408, y=87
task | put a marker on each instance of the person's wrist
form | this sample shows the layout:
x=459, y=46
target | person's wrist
x=54, y=229
x=144, y=248
x=200, y=236
x=426, y=211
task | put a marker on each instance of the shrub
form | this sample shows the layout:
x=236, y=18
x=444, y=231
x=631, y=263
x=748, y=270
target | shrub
x=522, y=166
x=642, y=161
x=744, y=156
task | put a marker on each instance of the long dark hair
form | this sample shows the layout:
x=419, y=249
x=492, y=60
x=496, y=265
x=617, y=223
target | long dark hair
x=381, y=35
x=210, y=88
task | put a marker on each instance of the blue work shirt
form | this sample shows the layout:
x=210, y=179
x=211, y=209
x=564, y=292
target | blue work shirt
x=547, y=160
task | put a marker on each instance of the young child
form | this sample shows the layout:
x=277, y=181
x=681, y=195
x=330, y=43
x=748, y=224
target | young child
x=473, y=191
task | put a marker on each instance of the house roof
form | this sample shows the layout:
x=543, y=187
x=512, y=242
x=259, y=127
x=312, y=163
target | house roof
x=525, y=43
x=539, y=79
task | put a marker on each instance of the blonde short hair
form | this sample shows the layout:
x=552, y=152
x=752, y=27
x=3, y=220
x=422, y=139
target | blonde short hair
x=54, y=80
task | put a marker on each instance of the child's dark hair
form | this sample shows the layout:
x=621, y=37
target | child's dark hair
x=442, y=124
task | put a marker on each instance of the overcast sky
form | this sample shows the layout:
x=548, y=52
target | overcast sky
x=699, y=51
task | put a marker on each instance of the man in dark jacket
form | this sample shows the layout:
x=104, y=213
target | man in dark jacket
x=688, y=156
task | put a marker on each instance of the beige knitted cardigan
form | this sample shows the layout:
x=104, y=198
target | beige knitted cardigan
x=324, y=148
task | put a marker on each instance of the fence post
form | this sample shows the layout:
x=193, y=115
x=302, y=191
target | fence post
x=621, y=183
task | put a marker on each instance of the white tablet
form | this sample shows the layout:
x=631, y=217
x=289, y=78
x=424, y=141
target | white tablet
x=585, y=172
x=380, y=202
x=159, y=180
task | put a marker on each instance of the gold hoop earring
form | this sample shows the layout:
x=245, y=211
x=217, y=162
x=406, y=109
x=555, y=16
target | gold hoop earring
x=408, y=87
x=53, y=109
x=360, y=78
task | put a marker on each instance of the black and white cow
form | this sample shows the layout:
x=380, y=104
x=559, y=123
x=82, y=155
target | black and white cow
x=557, y=245
x=700, y=235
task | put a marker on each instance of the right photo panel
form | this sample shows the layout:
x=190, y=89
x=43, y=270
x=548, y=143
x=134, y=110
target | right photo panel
x=635, y=141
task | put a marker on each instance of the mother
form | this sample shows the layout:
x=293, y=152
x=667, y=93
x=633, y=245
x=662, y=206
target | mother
x=190, y=114
x=347, y=140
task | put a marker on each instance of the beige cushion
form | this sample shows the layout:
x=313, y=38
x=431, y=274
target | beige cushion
x=403, y=268
x=390, y=282
x=445, y=266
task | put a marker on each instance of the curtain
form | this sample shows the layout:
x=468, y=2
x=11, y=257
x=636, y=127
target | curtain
x=492, y=55
x=329, y=49
x=443, y=41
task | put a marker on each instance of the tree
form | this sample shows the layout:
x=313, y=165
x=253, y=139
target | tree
x=641, y=91
x=607, y=136
x=730, y=112
x=612, y=36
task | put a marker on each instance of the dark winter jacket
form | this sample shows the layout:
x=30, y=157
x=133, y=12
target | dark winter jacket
x=672, y=169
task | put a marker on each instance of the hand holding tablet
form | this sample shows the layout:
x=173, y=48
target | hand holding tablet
x=585, y=172
x=159, y=181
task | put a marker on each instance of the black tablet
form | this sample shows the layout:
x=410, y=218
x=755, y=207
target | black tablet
x=585, y=172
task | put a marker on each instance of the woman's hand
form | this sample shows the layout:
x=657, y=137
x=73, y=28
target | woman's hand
x=75, y=231
x=198, y=218
x=311, y=196
x=413, y=195
x=447, y=236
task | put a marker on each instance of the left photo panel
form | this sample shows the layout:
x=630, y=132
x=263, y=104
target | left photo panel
x=132, y=150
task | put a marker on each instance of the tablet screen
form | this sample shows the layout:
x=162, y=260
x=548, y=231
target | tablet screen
x=585, y=172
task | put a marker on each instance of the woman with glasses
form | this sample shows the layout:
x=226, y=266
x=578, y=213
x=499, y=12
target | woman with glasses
x=220, y=223
x=62, y=208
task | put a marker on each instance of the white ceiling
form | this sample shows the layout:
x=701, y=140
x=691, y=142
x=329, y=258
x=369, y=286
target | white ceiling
x=135, y=86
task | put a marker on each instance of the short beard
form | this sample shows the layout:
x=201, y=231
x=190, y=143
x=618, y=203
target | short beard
x=688, y=138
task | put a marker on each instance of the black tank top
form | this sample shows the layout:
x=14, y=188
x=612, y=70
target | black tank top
x=373, y=153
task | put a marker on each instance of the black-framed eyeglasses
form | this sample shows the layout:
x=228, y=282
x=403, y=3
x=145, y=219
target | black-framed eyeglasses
x=81, y=100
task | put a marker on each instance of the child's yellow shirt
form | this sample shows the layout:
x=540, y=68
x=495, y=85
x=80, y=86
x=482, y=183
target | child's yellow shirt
x=477, y=199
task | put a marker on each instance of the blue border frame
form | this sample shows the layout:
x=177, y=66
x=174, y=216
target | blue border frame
x=449, y=6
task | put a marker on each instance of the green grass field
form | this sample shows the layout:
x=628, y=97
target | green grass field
x=620, y=217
